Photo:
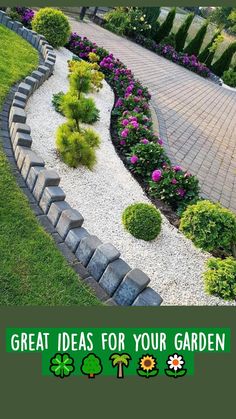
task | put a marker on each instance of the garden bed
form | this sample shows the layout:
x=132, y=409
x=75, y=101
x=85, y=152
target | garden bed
x=172, y=262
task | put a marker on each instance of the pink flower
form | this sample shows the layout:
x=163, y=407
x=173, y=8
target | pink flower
x=135, y=124
x=139, y=92
x=125, y=122
x=160, y=141
x=144, y=141
x=177, y=168
x=174, y=181
x=122, y=142
x=156, y=175
x=181, y=192
x=133, y=159
x=125, y=133
x=187, y=174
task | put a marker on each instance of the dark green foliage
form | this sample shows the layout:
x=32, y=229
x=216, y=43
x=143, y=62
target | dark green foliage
x=182, y=33
x=209, y=226
x=169, y=40
x=194, y=46
x=143, y=221
x=223, y=63
x=150, y=156
x=53, y=24
x=57, y=101
x=229, y=77
x=166, y=26
x=152, y=14
x=206, y=56
x=220, y=278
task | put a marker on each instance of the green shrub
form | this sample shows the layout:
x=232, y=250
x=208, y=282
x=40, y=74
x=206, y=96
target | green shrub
x=182, y=33
x=151, y=15
x=150, y=156
x=220, y=278
x=223, y=63
x=80, y=110
x=229, y=77
x=74, y=148
x=137, y=23
x=117, y=20
x=111, y=27
x=206, y=56
x=194, y=46
x=91, y=138
x=166, y=26
x=169, y=40
x=143, y=221
x=209, y=226
x=57, y=101
x=53, y=24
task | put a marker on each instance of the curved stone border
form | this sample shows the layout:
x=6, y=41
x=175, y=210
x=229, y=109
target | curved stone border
x=98, y=264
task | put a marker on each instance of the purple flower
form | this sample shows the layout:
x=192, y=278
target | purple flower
x=181, y=192
x=125, y=133
x=119, y=103
x=133, y=159
x=174, y=181
x=139, y=92
x=134, y=124
x=160, y=141
x=125, y=122
x=144, y=141
x=177, y=168
x=122, y=142
x=156, y=175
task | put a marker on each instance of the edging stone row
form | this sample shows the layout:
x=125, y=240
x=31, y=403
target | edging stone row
x=98, y=264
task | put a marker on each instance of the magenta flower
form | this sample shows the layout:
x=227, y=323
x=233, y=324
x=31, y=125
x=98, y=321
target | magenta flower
x=133, y=159
x=160, y=141
x=144, y=141
x=134, y=124
x=125, y=122
x=156, y=175
x=122, y=142
x=139, y=92
x=174, y=181
x=181, y=192
x=177, y=168
x=125, y=133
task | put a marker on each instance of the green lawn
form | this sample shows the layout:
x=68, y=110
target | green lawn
x=32, y=270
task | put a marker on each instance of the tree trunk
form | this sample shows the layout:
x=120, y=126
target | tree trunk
x=91, y=376
x=120, y=372
x=82, y=12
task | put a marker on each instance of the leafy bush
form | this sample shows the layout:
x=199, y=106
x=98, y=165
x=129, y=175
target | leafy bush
x=166, y=26
x=22, y=14
x=147, y=156
x=223, y=63
x=137, y=23
x=151, y=14
x=174, y=186
x=206, y=56
x=80, y=110
x=195, y=44
x=182, y=33
x=57, y=101
x=117, y=19
x=53, y=24
x=229, y=77
x=143, y=221
x=209, y=226
x=84, y=77
x=169, y=40
x=220, y=278
x=73, y=146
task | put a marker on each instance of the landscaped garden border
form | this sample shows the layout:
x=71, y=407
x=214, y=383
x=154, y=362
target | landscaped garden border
x=99, y=262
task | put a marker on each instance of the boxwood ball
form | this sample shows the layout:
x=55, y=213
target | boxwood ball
x=142, y=220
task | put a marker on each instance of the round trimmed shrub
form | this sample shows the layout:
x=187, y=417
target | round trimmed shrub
x=209, y=226
x=53, y=24
x=143, y=221
x=220, y=278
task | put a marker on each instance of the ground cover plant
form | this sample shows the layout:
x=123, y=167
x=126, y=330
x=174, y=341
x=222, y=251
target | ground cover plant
x=33, y=271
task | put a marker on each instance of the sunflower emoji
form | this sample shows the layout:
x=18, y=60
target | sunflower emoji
x=175, y=364
x=147, y=366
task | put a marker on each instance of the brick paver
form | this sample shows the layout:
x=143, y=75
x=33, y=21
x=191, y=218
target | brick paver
x=197, y=117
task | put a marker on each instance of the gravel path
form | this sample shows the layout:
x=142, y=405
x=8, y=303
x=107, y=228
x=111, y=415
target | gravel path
x=172, y=262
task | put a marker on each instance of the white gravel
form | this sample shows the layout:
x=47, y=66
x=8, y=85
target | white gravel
x=174, y=265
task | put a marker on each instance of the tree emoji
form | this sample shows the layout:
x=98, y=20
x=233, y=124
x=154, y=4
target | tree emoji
x=119, y=361
x=91, y=365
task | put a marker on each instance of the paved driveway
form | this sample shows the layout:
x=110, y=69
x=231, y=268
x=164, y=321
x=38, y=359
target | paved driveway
x=197, y=118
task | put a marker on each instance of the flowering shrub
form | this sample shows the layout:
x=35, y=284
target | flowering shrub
x=134, y=130
x=146, y=156
x=168, y=51
x=174, y=186
x=23, y=15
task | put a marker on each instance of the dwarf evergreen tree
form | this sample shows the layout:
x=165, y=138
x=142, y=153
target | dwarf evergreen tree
x=182, y=33
x=152, y=14
x=223, y=63
x=194, y=46
x=206, y=56
x=166, y=26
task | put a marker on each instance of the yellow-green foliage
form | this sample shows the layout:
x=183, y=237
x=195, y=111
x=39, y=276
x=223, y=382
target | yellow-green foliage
x=93, y=58
x=220, y=278
x=80, y=110
x=85, y=76
x=53, y=24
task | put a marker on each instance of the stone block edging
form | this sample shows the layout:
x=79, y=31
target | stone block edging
x=98, y=264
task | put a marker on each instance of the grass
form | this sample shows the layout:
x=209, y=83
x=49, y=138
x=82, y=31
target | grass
x=32, y=270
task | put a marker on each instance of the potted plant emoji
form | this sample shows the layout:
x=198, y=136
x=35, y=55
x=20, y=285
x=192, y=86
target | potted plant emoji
x=147, y=366
x=175, y=364
x=120, y=361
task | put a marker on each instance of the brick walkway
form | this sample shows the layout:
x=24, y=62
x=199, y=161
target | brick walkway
x=197, y=118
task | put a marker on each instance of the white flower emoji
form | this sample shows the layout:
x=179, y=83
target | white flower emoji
x=175, y=362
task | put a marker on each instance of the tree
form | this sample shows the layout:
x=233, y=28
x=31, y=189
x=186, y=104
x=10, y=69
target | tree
x=152, y=14
x=194, y=46
x=119, y=361
x=223, y=63
x=207, y=54
x=220, y=16
x=166, y=26
x=91, y=366
x=182, y=33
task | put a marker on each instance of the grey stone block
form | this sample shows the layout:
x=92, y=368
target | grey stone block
x=31, y=159
x=20, y=154
x=51, y=194
x=32, y=82
x=86, y=249
x=55, y=211
x=16, y=127
x=148, y=297
x=103, y=255
x=80, y=270
x=74, y=237
x=17, y=115
x=45, y=178
x=45, y=70
x=16, y=26
x=22, y=139
x=20, y=97
x=24, y=33
x=113, y=275
x=32, y=174
x=10, y=24
x=38, y=75
x=111, y=302
x=25, y=88
x=131, y=286
x=19, y=104
x=2, y=14
x=70, y=218
x=67, y=253
x=50, y=64
x=5, y=20
x=98, y=291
